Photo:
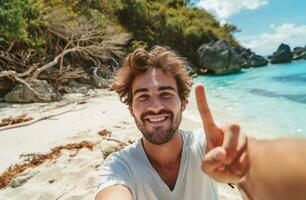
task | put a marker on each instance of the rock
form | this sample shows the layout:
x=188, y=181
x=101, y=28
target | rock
x=257, y=61
x=301, y=56
x=20, y=180
x=298, y=50
x=246, y=64
x=219, y=57
x=191, y=71
x=202, y=71
x=299, y=53
x=5, y=86
x=239, y=50
x=247, y=53
x=22, y=94
x=282, y=55
x=74, y=86
x=251, y=59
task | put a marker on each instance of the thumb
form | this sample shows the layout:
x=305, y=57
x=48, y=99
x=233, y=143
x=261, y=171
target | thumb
x=214, y=159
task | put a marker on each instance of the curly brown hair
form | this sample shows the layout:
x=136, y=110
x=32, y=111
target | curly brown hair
x=141, y=60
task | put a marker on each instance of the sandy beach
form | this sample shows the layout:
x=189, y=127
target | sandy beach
x=68, y=125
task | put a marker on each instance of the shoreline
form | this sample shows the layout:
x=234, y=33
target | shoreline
x=59, y=176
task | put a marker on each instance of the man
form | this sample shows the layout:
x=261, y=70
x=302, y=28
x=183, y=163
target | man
x=169, y=163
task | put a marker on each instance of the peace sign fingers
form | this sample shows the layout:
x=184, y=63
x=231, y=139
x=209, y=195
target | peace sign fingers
x=213, y=133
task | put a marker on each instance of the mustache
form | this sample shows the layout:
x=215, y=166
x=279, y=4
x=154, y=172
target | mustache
x=163, y=111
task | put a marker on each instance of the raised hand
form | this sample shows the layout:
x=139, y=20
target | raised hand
x=226, y=156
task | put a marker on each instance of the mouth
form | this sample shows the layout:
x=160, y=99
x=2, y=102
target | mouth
x=157, y=119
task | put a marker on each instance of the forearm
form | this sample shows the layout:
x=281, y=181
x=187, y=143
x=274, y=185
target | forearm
x=118, y=192
x=277, y=170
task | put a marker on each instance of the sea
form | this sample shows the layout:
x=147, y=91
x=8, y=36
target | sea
x=267, y=102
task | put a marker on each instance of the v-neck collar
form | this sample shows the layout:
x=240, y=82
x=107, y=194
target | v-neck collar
x=179, y=178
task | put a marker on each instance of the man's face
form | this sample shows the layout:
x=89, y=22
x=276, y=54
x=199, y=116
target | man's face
x=156, y=106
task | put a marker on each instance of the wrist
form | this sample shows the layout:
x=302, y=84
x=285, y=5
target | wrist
x=244, y=181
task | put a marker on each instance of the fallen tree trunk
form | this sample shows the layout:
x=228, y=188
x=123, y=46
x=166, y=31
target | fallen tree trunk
x=54, y=62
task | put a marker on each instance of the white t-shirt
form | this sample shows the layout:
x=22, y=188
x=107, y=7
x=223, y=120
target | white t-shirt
x=131, y=167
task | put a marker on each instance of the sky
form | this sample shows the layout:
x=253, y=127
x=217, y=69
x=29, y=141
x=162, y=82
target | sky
x=263, y=24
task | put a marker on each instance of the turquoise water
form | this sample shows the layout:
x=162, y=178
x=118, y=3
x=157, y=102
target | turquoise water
x=268, y=102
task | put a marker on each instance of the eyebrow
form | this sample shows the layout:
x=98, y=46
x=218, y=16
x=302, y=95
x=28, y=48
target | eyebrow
x=140, y=90
x=166, y=88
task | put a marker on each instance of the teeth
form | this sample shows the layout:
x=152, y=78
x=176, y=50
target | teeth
x=157, y=119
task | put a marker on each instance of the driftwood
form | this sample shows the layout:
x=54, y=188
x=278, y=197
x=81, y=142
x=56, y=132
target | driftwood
x=86, y=41
x=77, y=73
x=26, y=123
x=37, y=120
x=52, y=63
x=72, y=48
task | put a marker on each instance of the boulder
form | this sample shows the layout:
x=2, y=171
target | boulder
x=298, y=50
x=39, y=91
x=246, y=64
x=239, y=50
x=251, y=59
x=219, y=57
x=190, y=70
x=301, y=56
x=299, y=53
x=282, y=55
x=257, y=61
x=246, y=53
x=75, y=86
x=5, y=86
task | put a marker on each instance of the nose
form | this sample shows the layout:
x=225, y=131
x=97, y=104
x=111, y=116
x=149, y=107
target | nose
x=155, y=105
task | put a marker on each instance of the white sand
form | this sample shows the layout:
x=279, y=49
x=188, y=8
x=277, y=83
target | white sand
x=69, y=177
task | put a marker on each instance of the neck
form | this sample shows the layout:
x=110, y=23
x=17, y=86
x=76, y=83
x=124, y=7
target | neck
x=165, y=154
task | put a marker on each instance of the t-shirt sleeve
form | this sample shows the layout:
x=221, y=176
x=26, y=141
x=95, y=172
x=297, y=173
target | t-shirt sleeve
x=115, y=172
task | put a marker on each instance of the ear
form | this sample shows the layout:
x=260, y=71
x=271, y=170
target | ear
x=184, y=104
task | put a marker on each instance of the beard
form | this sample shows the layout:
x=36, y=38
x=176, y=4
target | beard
x=159, y=134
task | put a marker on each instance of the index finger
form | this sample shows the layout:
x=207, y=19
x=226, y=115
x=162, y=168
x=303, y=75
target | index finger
x=203, y=108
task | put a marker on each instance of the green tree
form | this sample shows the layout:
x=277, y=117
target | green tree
x=18, y=18
x=173, y=23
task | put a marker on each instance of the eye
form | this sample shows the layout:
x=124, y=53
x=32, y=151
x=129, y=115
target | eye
x=143, y=97
x=166, y=95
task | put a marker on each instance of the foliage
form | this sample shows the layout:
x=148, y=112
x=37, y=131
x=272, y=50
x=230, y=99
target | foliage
x=174, y=24
x=39, y=30
x=57, y=40
x=19, y=19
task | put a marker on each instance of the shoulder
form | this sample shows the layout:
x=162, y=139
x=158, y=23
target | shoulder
x=124, y=158
x=118, y=168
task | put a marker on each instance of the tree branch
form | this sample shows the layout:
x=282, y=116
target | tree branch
x=52, y=63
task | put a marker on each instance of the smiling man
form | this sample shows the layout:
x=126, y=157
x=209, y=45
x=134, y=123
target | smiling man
x=168, y=163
